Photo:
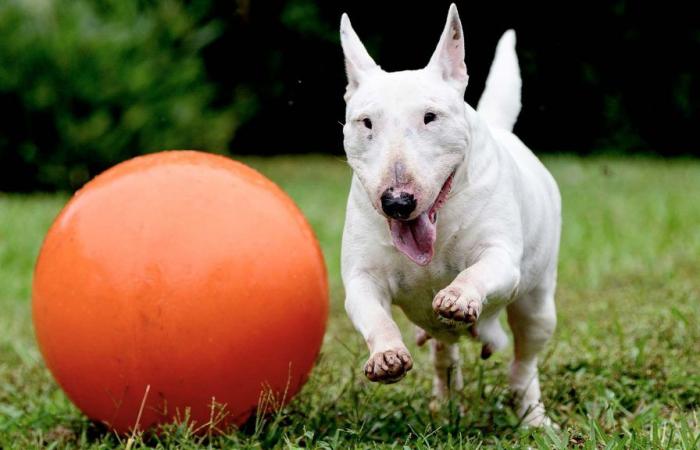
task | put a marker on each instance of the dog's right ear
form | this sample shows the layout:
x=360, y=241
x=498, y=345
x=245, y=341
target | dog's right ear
x=358, y=63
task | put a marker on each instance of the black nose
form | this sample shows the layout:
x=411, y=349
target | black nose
x=398, y=207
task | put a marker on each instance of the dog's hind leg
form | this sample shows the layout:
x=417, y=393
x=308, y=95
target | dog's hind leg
x=491, y=335
x=448, y=371
x=422, y=336
x=532, y=319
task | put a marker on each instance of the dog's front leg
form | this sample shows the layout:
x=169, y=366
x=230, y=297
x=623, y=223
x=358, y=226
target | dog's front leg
x=495, y=276
x=368, y=306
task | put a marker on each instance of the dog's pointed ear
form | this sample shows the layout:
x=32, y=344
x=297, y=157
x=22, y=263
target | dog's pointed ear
x=358, y=63
x=448, y=58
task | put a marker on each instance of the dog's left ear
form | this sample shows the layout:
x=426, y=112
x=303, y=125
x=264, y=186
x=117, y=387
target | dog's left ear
x=448, y=58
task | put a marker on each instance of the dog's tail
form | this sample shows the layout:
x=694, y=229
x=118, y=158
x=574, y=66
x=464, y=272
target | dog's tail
x=500, y=101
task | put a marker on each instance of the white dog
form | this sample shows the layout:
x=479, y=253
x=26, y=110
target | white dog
x=450, y=216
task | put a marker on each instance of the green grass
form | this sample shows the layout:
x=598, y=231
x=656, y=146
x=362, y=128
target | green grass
x=622, y=371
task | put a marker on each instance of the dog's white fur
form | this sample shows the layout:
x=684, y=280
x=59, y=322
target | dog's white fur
x=497, y=234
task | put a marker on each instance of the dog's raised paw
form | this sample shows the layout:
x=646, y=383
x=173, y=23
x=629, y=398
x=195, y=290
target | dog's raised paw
x=454, y=303
x=388, y=366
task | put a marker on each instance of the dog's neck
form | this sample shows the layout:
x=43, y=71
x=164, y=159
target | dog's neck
x=481, y=155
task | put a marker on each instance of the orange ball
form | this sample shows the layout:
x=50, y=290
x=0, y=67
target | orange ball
x=176, y=280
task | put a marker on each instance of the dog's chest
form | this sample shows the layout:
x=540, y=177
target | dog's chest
x=413, y=289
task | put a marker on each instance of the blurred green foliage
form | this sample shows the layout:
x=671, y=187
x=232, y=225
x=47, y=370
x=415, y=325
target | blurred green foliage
x=85, y=84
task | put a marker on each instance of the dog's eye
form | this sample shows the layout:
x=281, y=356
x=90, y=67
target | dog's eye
x=429, y=117
x=367, y=122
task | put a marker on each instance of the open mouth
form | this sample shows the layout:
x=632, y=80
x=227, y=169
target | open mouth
x=416, y=238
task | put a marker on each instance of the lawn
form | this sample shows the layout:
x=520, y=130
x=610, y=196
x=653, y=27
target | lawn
x=622, y=371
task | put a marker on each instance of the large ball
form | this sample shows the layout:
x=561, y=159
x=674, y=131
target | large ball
x=180, y=280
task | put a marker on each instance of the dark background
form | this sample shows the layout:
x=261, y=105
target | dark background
x=85, y=84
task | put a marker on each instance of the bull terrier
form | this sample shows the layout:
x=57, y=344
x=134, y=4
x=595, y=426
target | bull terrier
x=450, y=216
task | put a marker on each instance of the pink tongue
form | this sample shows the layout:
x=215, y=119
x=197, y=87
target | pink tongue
x=414, y=238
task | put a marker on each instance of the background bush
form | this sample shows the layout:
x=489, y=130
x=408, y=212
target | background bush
x=87, y=83
x=84, y=84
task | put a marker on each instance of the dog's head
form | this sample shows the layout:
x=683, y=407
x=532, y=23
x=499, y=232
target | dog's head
x=405, y=134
